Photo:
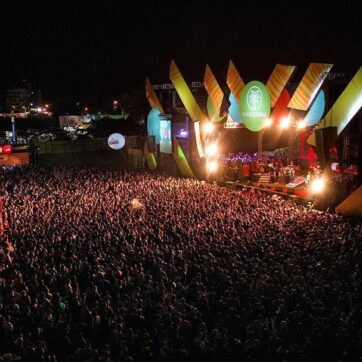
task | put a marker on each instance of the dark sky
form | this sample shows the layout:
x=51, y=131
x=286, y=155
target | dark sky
x=58, y=47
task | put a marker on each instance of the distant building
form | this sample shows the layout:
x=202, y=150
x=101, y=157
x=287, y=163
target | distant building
x=36, y=98
x=17, y=99
x=21, y=98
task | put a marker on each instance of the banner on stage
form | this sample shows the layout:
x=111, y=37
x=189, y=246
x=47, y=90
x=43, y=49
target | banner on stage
x=165, y=136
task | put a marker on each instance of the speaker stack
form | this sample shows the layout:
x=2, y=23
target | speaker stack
x=325, y=139
x=151, y=143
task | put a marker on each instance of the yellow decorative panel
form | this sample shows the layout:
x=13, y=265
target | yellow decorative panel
x=185, y=94
x=181, y=160
x=345, y=107
x=309, y=86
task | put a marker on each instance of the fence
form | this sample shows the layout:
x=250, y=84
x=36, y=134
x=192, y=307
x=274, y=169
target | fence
x=97, y=144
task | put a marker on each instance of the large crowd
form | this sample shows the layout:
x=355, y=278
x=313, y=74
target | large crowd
x=198, y=273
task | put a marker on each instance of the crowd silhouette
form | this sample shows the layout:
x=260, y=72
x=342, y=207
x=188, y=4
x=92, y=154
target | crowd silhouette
x=200, y=273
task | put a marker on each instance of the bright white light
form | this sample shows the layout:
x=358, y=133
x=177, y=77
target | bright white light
x=209, y=127
x=212, y=166
x=301, y=124
x=285, y=122
x=38, y=109
x=267, y=122
x=317, y=186
x=211, y=150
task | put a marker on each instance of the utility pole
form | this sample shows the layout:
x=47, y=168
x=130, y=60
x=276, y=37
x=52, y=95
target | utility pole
x=14, y=138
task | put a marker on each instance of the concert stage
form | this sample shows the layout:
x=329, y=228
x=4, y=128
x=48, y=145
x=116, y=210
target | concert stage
x=299, y=194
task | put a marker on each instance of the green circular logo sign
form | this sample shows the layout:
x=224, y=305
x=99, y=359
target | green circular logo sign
x=254, y=105
x=255, y=98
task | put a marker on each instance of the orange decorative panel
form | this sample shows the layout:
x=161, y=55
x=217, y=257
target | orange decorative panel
x=234, y=81
x=278, y=80
x=309, y=86
x=151, y=96
x=213, y=89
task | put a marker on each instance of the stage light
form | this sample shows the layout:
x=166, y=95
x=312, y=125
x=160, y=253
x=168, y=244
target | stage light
x=317, y=186
x=285, y=122
x=268, y=122
x=301, y=124
x=211, y=150
x=212, y=166
x=209, y=127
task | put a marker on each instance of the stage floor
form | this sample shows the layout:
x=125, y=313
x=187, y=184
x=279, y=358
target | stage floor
x=273, y=188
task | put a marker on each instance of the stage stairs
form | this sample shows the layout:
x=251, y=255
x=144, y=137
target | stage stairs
x=264, y=179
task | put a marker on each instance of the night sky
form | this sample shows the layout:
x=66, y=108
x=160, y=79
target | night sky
x=71, y=49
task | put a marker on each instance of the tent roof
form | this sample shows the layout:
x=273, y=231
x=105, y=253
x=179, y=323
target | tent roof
x=352, y=205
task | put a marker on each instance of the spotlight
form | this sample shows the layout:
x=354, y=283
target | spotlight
x=285, y=122
x=211, y=150
x=301, y=124
x=317, y=186
x=212, y=166
x=267, y=122
x=209, y=127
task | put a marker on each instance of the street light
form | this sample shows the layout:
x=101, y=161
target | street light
x=115, y=105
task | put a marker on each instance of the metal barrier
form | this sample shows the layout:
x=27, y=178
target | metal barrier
x=97, y=144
